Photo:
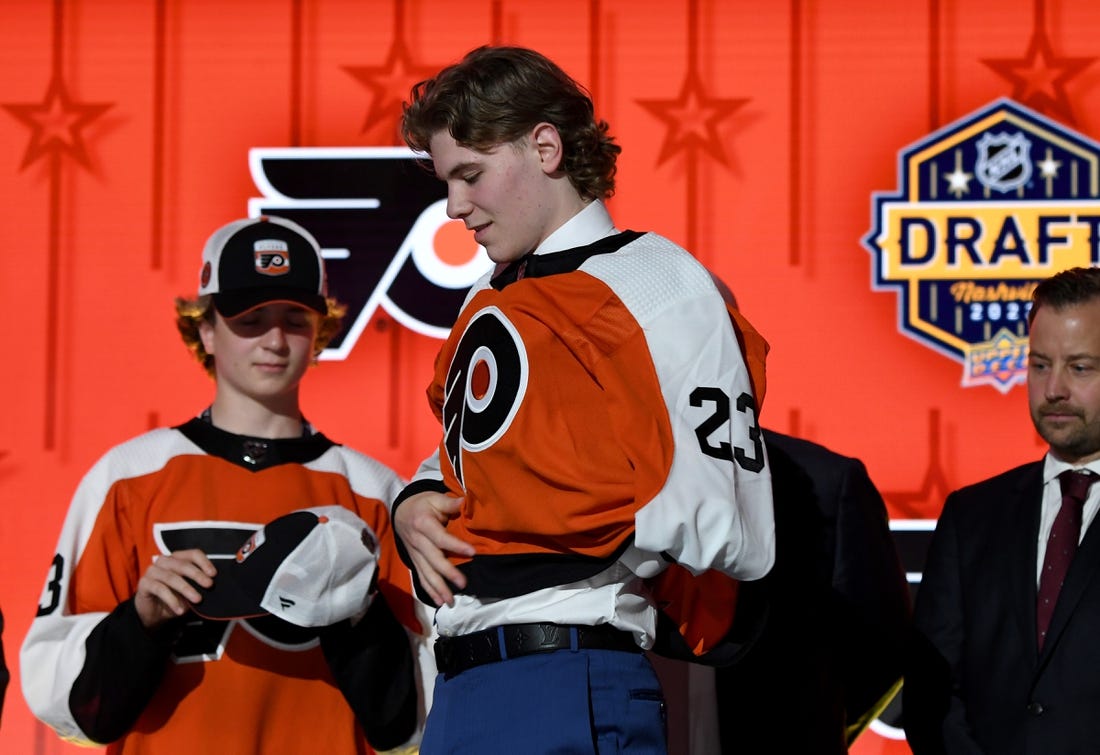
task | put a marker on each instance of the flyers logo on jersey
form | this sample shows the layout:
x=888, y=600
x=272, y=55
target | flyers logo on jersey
x=380, y=216
x=987, y=207
x=486, y=384
x=272, y=257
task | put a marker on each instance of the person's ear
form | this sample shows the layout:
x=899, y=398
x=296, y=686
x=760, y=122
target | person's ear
x=206, y=335
x=547, y=143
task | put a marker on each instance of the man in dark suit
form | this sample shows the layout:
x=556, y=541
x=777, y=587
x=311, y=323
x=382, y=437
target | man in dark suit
x=830, y=657
x=1004, y=661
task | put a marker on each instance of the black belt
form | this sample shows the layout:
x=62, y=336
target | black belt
x=456, y=654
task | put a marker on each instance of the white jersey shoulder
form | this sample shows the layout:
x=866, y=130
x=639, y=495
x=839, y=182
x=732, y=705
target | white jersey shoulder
x=651, y=274
x=369, y=477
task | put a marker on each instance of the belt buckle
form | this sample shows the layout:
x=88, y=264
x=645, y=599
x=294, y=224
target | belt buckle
x=539, y=638
x=444, y=654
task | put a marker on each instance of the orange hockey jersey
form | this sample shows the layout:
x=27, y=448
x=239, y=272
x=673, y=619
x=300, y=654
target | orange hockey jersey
x=597, y=407
x=249, y=686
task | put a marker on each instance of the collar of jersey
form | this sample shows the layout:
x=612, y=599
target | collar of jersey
x=566, y=261
x=238, y=449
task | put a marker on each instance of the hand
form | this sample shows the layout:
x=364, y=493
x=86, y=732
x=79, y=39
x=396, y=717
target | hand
x=163, y=592
x=420, y=522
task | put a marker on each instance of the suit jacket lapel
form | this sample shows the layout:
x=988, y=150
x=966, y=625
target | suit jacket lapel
x=1022, y=517
x=1081, y=573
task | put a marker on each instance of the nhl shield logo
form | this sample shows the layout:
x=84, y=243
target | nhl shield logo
x=1004, y=164
x=987, y=207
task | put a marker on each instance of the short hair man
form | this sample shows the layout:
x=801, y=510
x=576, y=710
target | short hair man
x=599, y=423
x=1008, y=608
x=115, y=655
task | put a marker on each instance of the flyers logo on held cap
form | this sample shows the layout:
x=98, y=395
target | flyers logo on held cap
x=250, y=546
x=272, y=257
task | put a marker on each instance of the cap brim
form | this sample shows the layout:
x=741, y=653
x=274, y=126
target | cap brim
x=239, y=585
x=226, y=600
x=236, y=303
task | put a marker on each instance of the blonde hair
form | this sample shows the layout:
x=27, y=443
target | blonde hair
x=191, y=312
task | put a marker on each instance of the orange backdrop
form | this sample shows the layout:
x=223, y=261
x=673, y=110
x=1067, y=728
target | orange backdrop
x=754, y=133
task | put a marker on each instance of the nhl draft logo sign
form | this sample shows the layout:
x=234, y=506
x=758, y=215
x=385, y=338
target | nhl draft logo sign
x=988, y=206
x=380, y=216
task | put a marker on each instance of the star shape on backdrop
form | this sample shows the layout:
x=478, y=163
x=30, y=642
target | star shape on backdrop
x=1039, y=78
x=692, y=119
x=56, y=123
x=1048, y=167
x=958, y=182
x=389, y=83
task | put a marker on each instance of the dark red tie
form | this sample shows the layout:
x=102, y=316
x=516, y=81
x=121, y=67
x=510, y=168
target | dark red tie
x=1061, y=545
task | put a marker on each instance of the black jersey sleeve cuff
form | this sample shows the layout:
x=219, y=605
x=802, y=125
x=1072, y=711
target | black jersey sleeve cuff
x=419, y=486
x=123, y=666
x=372, y=663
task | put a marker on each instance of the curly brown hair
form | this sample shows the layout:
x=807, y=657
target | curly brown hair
x=496, y=95
x=191, y=312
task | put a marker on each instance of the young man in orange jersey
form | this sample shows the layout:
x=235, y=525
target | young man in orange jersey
x=116, y=655
x=599, y=424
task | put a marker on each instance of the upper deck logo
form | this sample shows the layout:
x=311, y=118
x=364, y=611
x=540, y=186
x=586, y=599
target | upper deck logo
x=987, y=207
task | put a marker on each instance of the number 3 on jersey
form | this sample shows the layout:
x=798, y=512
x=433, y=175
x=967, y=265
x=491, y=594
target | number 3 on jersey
x=51, y=596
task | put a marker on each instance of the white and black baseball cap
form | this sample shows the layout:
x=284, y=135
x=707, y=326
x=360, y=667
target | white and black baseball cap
x=256, y=261
x=312, y=567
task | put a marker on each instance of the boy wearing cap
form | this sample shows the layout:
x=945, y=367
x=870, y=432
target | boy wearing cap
x=115, y=654
x=599, y=423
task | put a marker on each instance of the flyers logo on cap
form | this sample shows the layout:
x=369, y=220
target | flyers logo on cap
x=250, y=546
x=987, y=207
x=272, y=257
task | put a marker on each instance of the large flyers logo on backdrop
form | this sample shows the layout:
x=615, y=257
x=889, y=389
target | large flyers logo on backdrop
x=988, y=206
x=381, y=220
